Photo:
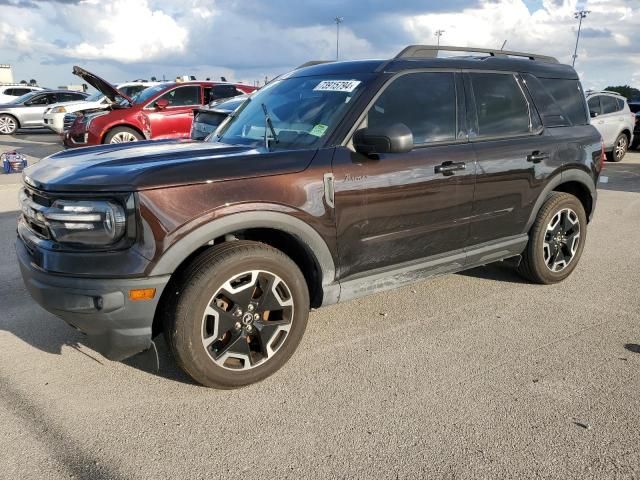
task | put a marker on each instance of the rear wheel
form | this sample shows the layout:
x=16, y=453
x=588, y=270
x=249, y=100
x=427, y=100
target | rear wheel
x=122, y=135
x=556, y=240
x=619, y=148
x=8, y=125
x=240, y=314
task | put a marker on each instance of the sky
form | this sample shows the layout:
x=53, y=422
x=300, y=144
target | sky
x=248, y=40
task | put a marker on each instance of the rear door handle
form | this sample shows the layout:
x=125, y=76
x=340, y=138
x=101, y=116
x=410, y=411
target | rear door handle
x=448, y=168
x=537, y=157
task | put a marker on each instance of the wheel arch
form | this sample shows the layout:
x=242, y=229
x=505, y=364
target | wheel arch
x=577, y=183
x=120, y=125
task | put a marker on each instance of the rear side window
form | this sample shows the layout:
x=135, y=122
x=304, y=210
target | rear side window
x=69, y=97
x=609, y=104
x=424, y=102
x=501, y=107
x=568, y=95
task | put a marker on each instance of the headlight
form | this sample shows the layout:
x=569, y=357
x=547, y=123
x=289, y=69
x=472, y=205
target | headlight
x=58, y=110
x=93, y=223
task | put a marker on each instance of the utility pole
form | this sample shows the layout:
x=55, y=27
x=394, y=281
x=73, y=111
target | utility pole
x=338, y=21
x=439, y=34
x=580, y=15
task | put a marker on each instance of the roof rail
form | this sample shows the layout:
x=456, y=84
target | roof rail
x=431, y=51
x=311, y=63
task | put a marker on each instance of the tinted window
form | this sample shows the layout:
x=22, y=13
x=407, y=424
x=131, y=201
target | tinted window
x=569, y=96
x=11, y=91
x=501, y=107
x=620, y=103
x=223, y=91
x=21, y=91
x=42, y=99
x=424, y=102
x=183, y=96
x=609, y=104
x=594, y=105
x=634, y=107
x=70, y=97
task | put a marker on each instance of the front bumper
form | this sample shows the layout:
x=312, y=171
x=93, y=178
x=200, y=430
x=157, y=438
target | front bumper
x=54, y=123
x=115, y=326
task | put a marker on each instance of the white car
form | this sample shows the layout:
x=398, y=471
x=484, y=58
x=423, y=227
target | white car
x=611, y=116
x=60, y=116
x=13, y=91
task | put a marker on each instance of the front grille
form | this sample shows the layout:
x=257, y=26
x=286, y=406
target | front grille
x=68, y=120
x=33, y=203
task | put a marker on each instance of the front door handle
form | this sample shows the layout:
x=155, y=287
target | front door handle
x=537, y=157
x=448, y=168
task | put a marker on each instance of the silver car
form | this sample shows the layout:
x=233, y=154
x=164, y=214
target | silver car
x=27, y=111
x=611, y=116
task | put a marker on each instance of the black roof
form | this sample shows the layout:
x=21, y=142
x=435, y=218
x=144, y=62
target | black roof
x=546, y=67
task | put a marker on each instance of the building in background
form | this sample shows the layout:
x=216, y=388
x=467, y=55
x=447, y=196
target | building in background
x=6, y=73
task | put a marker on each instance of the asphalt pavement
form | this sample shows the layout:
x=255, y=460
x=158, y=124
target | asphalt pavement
x=474, y=375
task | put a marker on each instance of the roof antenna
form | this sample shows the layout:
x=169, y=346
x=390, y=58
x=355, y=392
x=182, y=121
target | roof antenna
x=503, y=44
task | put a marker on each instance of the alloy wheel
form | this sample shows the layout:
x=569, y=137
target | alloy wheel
x=123, y=137
x=621, y=147
x=247, y=320
x=7, y=125
x=561, y=240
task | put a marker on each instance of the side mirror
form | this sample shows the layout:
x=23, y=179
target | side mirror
x=396, y=138
x=162, y=103
x=593, y=114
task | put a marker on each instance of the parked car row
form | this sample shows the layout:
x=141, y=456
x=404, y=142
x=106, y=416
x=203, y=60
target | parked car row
x=116, y=113
x=28, y=110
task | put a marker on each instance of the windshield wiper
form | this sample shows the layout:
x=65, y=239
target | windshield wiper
x=268, y=123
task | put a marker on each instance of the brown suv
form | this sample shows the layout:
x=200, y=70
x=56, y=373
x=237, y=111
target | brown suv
x=335, y=181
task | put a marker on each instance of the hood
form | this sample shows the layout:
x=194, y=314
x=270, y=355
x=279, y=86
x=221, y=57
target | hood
x=74, y=103
x=157, y=164
x=110, y=91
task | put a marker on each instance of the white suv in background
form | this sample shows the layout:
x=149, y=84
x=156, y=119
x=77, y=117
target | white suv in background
x=60, y=116
x=13, y=91
x=611, y=115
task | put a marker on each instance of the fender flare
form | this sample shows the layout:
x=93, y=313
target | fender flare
x=184, y=247
x=572, y=175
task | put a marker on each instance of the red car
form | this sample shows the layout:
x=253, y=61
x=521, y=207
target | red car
x=162, y=111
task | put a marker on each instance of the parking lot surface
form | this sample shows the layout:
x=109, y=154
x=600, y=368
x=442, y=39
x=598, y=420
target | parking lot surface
x=474, y=375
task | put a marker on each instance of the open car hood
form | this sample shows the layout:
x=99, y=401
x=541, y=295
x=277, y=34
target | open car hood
x=110, y=91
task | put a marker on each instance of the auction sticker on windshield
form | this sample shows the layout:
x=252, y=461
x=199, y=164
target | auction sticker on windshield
x=337, y=86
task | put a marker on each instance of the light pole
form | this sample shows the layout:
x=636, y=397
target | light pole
x=580, y=15
x=338, y=21
x=439, y=34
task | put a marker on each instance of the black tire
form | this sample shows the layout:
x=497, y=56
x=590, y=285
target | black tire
x=125, y=134
x=620, y=148
x=533, y=266
x=199, y=288
x=8, y=124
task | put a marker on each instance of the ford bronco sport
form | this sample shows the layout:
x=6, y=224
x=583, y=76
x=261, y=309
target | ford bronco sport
x=335, y=181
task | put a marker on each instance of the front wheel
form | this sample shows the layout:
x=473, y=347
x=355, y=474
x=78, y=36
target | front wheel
x=619, y=148
x=8, y=125
x=556, y=240
x=122, y=135
x=240, y=313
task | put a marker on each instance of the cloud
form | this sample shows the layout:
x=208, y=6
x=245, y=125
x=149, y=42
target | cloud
x=251, y=39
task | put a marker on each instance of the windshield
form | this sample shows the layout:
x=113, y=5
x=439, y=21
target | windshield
x=148, y=93
x=95, y=97
x=292, y=113
x=24, y=97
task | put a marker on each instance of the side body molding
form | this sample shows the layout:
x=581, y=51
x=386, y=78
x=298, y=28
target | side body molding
x=184, y=247
x=572, y=175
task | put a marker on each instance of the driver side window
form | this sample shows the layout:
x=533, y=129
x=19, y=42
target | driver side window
x=183, y=96
x=425, y=102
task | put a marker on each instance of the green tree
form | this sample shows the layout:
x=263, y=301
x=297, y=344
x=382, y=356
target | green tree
x=625, y=90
